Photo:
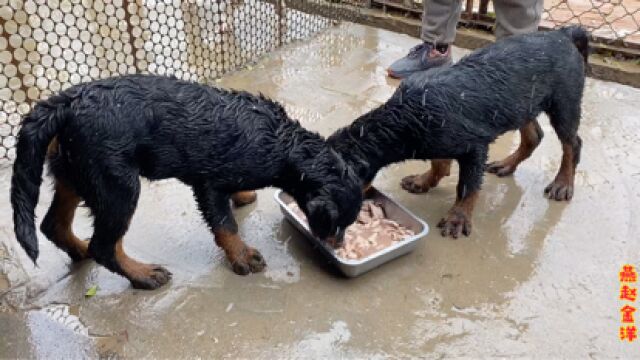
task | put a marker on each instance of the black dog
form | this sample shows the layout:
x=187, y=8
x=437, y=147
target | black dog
x=456, y=112
x=101, y=136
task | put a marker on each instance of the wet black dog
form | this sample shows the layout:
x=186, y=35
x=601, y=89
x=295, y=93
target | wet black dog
x=101, y=136
x=456, y=112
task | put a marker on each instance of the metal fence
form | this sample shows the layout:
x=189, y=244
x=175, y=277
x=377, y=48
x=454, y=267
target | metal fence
x=48, y=45
x=609, y=21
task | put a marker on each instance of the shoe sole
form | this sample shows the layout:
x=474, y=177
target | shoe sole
x=395, y=75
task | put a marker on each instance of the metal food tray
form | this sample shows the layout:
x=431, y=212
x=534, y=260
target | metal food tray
x=355, y=267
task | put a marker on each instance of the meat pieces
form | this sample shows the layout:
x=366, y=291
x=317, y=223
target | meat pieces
x=371, y=232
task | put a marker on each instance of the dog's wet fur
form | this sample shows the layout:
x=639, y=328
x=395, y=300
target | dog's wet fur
x=101, y=136
x=456, y=112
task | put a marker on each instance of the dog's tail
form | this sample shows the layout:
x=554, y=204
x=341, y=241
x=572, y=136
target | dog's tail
x=39, y=127
x=580, y=38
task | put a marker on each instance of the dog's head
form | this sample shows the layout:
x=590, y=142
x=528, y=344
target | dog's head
x=333, y=203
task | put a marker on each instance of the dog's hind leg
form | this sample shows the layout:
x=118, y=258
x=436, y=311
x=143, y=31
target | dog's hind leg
x=215, y=209
x=565, y=119
x=113, y=204
x=242, y=198
x=530, y=137
x=57, y=224
x=423, y=182
x=458, y=219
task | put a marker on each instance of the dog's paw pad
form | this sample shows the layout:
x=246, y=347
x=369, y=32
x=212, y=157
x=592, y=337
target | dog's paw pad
x=256, y=262
x=251, y=261
x=559, y=191
x=414, y=184
x=454, y=225
x=240, y=268
x=500, y=168
x=156, y=277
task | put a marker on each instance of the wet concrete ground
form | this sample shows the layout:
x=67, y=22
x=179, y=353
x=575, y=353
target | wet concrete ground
x=536, y=278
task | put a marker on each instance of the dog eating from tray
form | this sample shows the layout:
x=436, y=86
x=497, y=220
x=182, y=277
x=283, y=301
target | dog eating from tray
x=371, y=233
x=100, y=137
x=456, y=112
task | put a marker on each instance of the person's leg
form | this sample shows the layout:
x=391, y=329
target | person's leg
x=515, y=17
x=438, y=31
x=439, y=20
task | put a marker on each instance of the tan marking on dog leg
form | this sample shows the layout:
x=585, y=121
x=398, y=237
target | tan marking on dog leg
x=243, y=259
x=529, y=141
x=61, y=213
x=242, y=198
x=430, y=179
x=562, y=186
x=141, y=276
x=458, y=219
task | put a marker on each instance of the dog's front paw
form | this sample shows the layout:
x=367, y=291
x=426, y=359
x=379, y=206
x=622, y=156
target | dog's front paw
x=249, y=261
x=559, y=190
x=152, y=277
x=454, y=224
x=415, y=184
x=501, y=168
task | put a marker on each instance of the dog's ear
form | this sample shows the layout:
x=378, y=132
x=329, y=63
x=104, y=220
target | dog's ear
x=323, y=216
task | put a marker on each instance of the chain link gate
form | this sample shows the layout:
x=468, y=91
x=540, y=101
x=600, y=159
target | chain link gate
x=609, y=21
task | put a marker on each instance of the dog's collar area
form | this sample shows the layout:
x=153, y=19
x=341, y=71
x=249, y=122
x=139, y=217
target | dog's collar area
x=355, y=157
x=341, y=161
x=295, y=177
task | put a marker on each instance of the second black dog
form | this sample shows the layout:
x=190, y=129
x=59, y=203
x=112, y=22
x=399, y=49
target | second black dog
x=456, y=112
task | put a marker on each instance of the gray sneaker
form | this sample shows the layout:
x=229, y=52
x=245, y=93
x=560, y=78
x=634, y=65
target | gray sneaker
x=421, y=57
